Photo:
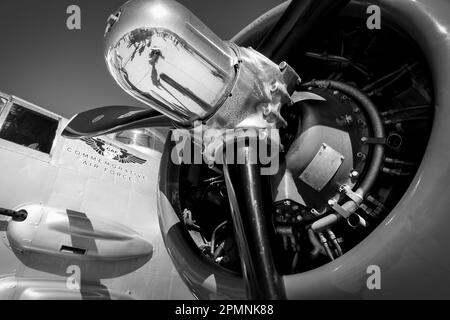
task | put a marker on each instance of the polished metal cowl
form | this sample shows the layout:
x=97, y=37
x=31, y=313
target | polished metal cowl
x=164, y=56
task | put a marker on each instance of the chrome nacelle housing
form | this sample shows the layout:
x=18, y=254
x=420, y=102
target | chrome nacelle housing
x=164, y=56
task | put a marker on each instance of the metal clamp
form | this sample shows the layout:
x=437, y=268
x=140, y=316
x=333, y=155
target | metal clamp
x=339, y=209
x=355, y=197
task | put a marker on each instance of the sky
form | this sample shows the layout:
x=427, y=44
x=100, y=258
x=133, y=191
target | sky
x=63, y=70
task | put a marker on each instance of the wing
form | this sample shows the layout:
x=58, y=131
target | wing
x=96, y=144
x=126, y=157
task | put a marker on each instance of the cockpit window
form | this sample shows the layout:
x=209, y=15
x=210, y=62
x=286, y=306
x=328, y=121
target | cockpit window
x=29, y=129
x=3, y=102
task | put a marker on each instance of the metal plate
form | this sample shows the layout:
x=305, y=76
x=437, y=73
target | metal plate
x=322, y=168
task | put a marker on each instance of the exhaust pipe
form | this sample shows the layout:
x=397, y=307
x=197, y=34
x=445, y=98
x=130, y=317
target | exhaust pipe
x=356, y=221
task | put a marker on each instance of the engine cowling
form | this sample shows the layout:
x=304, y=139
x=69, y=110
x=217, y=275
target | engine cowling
x=411, y=234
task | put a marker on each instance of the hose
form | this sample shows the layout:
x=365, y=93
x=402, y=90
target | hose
x=213, y=237
x=378, y=132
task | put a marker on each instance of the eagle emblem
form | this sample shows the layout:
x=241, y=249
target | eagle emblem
x=110, y=151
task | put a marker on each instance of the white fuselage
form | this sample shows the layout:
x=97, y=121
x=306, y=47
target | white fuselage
x=116, y=251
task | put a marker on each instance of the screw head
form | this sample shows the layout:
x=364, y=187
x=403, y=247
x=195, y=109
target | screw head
x=348, y=118
x=354, y=174
x=282, y=65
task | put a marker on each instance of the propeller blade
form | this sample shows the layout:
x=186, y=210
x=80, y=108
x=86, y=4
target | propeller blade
x=299, y=21
x=110, y=119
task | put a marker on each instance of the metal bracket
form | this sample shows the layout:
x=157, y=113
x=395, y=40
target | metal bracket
x=339, y=209
x=355, y=197
x=290, y=77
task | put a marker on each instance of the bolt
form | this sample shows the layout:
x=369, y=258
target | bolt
x=263, y=134
x=354, y=174
x=348, y=118
x=274, y=87
x=282, y=66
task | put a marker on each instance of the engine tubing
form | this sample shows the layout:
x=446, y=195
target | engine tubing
x=375, y=119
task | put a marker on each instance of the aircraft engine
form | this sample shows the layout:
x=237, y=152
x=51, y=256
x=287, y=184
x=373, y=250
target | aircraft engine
x=352, y=144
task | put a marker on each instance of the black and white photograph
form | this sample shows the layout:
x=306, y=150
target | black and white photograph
x=247, y=151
